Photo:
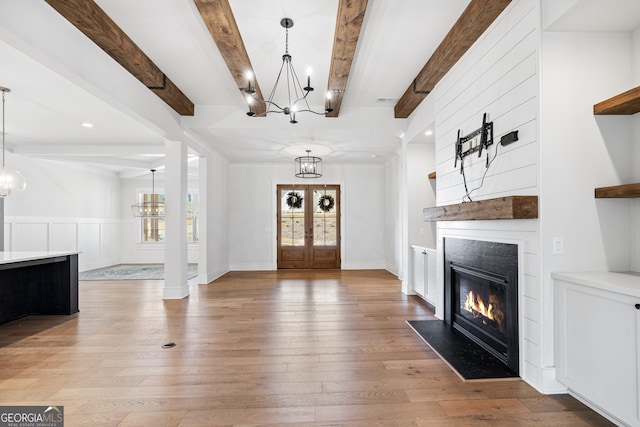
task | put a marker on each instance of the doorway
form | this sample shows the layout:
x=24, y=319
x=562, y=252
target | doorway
x=308, y=226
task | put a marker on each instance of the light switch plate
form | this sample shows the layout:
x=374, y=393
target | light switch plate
x=558, y=246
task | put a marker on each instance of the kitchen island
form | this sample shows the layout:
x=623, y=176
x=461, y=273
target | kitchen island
x=43, y=282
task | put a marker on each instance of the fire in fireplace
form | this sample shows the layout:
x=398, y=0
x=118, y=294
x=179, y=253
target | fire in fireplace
x=488, y=313
x=481, y=295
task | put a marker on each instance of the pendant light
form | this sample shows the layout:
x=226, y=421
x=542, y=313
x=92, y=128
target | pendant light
x=308, y=166
x=296, y=100
x=11, y=181
x=150, y=209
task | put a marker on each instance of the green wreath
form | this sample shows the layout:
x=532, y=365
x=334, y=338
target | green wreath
x=326, y=203
x=294, y=200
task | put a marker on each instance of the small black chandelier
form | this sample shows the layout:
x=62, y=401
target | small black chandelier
x=308, y=166
x=296, y=101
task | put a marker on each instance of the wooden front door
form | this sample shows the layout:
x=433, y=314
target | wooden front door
x=308, y=226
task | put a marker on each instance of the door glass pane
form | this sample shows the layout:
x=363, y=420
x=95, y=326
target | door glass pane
x=325, y=205
x=292, y=217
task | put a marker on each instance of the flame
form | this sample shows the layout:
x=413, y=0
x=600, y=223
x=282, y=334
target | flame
x=489, y=309
x=475, y=304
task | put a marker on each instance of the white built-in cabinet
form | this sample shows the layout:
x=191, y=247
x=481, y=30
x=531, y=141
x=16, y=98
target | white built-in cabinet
x=597, y=341
x=424, y=273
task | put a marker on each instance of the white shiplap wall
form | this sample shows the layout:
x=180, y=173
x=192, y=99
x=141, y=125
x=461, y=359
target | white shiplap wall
x=497, y=76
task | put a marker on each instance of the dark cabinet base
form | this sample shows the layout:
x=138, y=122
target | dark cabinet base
x=43, y=286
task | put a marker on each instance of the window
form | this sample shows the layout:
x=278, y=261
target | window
x=153, y=229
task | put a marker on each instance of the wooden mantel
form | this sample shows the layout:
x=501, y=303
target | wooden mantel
x=512, y=207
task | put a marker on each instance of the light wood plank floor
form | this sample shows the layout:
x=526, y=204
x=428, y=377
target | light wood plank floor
x=282, y=348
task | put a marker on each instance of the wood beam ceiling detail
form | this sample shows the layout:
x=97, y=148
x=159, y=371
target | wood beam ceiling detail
x=348, y=26
x=475, y=19
x=218, y=17
x=93, y=22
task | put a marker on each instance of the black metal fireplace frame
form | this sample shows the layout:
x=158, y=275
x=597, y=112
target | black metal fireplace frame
x=493, y=262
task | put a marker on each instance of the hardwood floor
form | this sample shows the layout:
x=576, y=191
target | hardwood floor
x=281, y=348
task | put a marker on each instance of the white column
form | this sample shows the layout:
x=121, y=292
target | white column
x=175, y=248
x=403, y=208
x=204, y=243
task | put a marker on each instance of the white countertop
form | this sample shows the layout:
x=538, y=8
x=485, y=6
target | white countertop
x=9, y=257
x=624, y=283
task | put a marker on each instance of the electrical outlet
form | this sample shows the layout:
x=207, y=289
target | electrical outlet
x=558, y=246
x=509, y=138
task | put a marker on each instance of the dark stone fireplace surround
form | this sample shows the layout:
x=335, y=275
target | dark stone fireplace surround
x=492, y=266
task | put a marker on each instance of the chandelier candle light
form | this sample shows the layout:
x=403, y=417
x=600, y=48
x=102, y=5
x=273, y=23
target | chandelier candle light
x=308, y=166
x=11, y=181
x=150, y=209
x=296, y=101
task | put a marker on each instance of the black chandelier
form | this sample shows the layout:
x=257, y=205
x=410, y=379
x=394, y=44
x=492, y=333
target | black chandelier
x=308, y=166
x=296, y=101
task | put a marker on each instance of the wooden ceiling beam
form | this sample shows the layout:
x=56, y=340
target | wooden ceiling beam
x=348, y=26
x=219, y=19
x=475, y=19
x=93, y=22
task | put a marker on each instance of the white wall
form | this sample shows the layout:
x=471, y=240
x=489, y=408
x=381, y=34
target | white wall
x=497, y=76
x=213, y=248
x=421, y=190
x=393, y=229
x=635, y=171
x=584, y=151
x=252, y=213
x=65, y=207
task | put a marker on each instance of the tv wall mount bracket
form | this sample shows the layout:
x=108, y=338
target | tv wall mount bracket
x=477, y=141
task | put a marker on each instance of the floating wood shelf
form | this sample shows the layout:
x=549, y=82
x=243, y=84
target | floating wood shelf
x=625, y=103
x=618, y=191
x=432, y=175
x=513, y=207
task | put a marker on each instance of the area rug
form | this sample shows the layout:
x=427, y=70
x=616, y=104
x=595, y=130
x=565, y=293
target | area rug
x=465, y=357
x=133, y=272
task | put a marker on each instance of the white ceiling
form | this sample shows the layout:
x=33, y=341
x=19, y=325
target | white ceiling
x=394, y=45
x=596, y=15
x=57, y=84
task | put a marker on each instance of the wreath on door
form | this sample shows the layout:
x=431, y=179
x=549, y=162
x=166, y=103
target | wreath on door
x=326, y=203
x=294, y=200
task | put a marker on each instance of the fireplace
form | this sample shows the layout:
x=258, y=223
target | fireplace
x=481, y=295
